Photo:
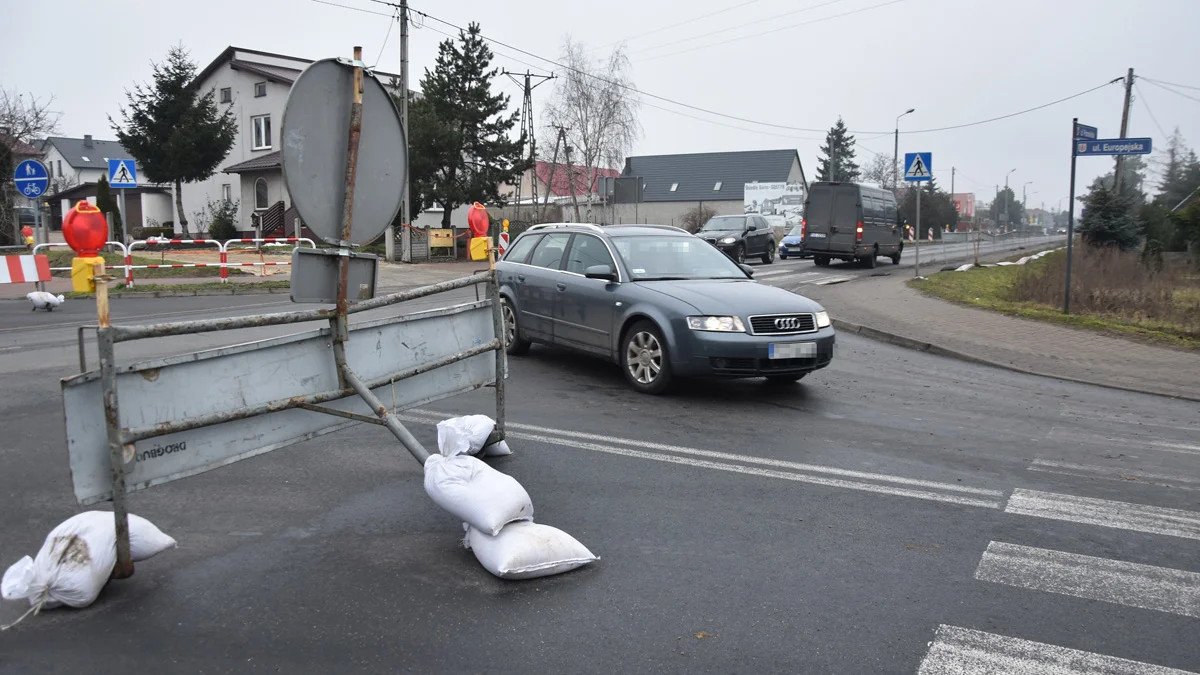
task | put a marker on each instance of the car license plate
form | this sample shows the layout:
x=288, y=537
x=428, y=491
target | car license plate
x=816, y=235
x=792, y=350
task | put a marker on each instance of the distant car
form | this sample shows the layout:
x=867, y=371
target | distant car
x=741, y=237
x=792, y=245
x=1062, y=230
x=658, y=301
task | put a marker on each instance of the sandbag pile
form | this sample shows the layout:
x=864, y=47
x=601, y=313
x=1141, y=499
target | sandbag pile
x=76, y=560
x=496, y=511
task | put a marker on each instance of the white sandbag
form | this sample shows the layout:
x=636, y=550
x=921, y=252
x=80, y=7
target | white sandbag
x=497, y=449
x=44, y=300
x=527, y=551
x=464, y=435
x=77, y=558
x=476, y=493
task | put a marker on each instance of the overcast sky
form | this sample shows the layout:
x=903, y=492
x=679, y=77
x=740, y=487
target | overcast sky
x=955, y=61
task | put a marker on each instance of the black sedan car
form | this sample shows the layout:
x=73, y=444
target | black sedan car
x=662, y=303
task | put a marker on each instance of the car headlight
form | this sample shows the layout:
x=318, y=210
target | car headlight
x=728, y=240
x=721, y=324
x=823, y=320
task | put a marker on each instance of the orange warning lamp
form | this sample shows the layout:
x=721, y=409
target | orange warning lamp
x=477, y=219
x=85, y=229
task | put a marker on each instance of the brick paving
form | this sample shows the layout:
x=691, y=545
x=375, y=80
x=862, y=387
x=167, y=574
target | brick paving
x=890, y=306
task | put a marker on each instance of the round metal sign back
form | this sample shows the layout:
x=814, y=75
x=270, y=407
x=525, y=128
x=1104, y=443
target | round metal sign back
x=316, y=134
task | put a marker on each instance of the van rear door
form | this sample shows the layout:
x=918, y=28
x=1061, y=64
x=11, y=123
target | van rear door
x=818, y=214
x=844, y=218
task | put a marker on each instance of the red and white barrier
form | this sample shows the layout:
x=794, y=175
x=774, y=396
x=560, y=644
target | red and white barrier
x=116, y=244
x=931, y=234
x=503, y=242
x=24, y=269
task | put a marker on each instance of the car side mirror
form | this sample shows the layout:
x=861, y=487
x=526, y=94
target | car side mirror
x=747, y=269
x=600, y=272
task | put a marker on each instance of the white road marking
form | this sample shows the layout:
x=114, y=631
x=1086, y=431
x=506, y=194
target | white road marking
x=779, y=272
x=834, y=280
x=1063, y=435
x=962, y=651
x=808, y=276
x=1083, y=576
x=1125, y=418
x=1118, y=473
x=971, y=496
x=1121, y=515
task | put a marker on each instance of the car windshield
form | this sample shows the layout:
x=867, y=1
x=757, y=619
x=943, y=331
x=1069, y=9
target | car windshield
x=725, y=224
x=796, y=231
x=661, y=257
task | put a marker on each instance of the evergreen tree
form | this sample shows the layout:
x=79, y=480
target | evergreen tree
x=175, y=131
x=464, y=130
x=107, y=204
x=1108, y=220
x=838, y=162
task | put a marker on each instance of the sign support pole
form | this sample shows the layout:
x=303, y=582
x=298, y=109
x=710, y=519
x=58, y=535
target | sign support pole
x=917, y=267
x=1070, y=219
x=116, y=451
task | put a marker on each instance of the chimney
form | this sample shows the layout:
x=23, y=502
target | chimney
x=87, y=140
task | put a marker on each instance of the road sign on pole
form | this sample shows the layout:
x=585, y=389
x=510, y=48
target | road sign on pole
x=122, y=173
x=918, y=166
x=1114, y=146
x=1085, y=133
x=31, y=178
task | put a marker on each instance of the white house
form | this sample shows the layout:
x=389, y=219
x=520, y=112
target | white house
x=75, y=161
x=256, y=85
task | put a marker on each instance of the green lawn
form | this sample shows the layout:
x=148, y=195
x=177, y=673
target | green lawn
x=990, y=288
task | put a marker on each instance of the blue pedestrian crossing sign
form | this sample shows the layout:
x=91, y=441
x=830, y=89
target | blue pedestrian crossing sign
x=122, y=173
x=918, y=166
x=31, y=178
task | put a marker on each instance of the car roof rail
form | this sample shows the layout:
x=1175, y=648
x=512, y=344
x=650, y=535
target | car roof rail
x=550, y=226
x=655, y=226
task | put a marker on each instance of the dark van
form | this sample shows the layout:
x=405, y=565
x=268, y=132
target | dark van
x=847, y=221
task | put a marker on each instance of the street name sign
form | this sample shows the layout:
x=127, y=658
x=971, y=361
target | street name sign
x=1114, y=146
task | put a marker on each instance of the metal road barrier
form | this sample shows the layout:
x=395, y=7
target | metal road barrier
x=116, y=244
x=133, y=426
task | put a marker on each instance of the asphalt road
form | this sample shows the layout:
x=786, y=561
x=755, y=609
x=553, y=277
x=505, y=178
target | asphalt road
x=894, y=513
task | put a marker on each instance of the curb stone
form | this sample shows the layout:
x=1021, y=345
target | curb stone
x=917, y=345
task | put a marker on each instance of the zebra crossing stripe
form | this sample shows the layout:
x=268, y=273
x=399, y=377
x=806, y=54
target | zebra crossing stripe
x=1083, y=576
x=1120, y=515
x=962, y=651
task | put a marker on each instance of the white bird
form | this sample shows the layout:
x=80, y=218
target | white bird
x=44, y=300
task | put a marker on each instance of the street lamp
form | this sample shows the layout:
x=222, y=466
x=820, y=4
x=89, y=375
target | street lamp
x=1007, y=199
x=896, y=150
x=1025, y=202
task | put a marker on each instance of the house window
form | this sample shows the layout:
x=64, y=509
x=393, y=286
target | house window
x=260, y=89
x=261, y=126
x=261, y=201
x=674, y=187
x=717, y=187
x=227, y=95
x=85, y=158
x=60, y=168
x=227, y=192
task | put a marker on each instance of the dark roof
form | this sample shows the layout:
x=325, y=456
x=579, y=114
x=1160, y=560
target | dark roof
x=696, y=174
x=19, y=147
x=271, y=160
x=272, y=72
x=74, y=151
x=89, y=190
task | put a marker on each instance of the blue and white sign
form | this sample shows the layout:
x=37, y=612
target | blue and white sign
x=918, y=166
x=1085, y=133
x=31, y=178
x=1114, y=146
x=122, y=173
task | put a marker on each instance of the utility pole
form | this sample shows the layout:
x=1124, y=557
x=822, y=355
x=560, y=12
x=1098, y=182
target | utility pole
x=896, y=151
x=1124, y=128
x=952, y=199
x=528, y=134
x=562, y=131
x=405, y=229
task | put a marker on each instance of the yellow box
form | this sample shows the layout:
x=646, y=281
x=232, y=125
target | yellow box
x=441, y=238
x=479, y=247
x=82, y=271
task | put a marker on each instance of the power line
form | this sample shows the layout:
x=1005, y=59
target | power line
x=693, y=38
x=1173, y=91
x=689, y=106
x=773, y=30
x=355, y=9
x=676, y=25
x=1181, y=86
x=1142, y=97
x=395, y=17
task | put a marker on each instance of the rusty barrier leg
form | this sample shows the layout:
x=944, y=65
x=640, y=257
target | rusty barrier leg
x=112, y=422
x=501, y=354
x=393, y=424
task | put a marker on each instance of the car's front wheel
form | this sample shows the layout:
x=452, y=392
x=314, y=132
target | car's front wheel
x=769, y=256
x=739, y=254
x=514, y=344
x=644, y=359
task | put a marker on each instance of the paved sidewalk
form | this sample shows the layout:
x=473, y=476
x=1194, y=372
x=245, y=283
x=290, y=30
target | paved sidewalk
x=886, y=308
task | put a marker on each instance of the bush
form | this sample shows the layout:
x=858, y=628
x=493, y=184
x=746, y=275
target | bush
x=219, y=218
x=695, y=218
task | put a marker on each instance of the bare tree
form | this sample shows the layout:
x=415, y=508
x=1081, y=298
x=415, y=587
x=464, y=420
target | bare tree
x=597, y=104
x=695, y=218
x=881, y=171
x=24, y=120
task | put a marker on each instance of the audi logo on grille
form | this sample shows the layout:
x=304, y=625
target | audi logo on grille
x=787, y=323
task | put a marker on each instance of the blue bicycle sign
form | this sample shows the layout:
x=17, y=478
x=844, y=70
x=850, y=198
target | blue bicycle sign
x=31, y=178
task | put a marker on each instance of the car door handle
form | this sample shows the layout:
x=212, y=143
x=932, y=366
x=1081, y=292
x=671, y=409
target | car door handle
x=561, y=287
x=833, y=229
x=521, y=278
